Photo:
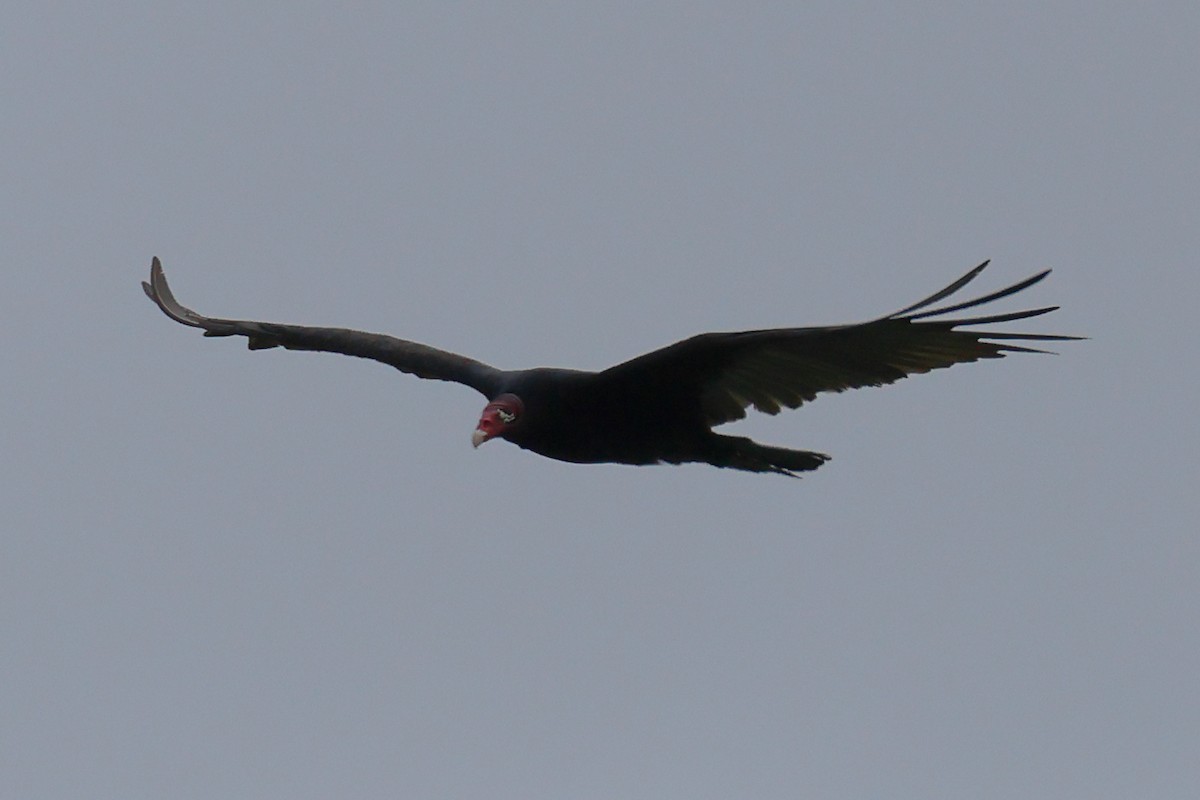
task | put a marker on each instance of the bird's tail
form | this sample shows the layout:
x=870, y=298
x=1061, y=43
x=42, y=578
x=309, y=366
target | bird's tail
x=737, y=452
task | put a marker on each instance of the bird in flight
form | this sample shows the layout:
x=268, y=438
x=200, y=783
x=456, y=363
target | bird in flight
x=661, y=407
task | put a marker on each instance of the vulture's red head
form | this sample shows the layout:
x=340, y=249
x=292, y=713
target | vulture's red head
x=499, y=416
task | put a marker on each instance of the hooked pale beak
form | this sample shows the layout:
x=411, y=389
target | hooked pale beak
x=498, y=416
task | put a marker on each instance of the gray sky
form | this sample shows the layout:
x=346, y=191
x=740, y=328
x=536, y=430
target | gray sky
x=242, y=575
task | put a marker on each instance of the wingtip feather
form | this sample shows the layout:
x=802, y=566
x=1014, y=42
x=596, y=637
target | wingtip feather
x=160, y=292
x=943, y=293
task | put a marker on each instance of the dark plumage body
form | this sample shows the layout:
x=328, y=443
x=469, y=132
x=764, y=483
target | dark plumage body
x=662, y=406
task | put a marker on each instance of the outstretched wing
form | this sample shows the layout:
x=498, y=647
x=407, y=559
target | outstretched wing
x=411, y=357
x=720, y=375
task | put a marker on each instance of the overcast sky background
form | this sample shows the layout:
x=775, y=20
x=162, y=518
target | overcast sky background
x=242, y=575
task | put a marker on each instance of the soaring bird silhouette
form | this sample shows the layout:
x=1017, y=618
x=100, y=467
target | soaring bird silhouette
x=661, y=406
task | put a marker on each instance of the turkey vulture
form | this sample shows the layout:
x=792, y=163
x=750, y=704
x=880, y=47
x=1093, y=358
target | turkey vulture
x=662, y=406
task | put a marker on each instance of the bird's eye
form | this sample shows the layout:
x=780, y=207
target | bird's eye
x=507, y=417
